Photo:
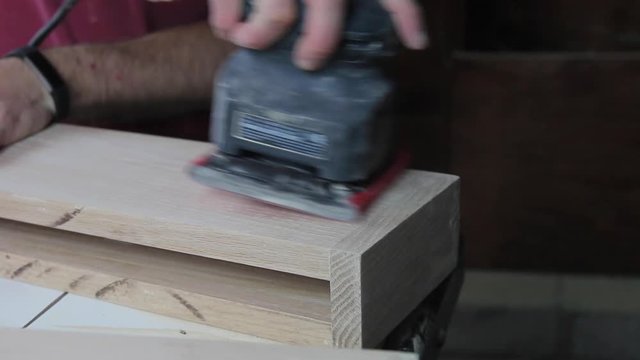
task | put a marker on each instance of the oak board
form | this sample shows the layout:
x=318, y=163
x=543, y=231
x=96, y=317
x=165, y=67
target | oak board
x=264, y=303
x=133, y=188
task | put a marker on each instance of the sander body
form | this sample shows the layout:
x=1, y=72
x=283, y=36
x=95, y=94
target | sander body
x=320, y=142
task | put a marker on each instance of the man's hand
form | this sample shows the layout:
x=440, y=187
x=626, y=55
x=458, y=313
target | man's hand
x=25, y=107
x=322, y=29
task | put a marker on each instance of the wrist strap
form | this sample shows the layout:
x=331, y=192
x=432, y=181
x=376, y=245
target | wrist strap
x=49, y=77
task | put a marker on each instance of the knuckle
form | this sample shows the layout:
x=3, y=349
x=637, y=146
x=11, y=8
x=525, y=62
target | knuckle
x=323, y=47
x=319, y=53
x=282, y=13
x=282, y=19
x=220, y=26
x=251, y=43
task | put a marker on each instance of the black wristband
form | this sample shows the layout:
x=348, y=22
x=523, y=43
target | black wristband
x=49, y=76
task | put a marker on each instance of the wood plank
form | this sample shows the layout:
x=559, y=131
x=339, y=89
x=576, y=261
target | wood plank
x=20, y=303
x=264, y=303
x=25, y=344
x=548, y=146
x=133, y=188
x=81, y=314
x=139, y=195
x=375, y=284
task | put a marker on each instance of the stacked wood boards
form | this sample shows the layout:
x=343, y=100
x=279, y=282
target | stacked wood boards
x=113, y=215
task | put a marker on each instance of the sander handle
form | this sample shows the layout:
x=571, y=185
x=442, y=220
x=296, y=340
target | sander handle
x=369, y=32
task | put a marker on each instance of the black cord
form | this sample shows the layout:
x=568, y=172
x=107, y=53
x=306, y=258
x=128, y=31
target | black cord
x=62, y=12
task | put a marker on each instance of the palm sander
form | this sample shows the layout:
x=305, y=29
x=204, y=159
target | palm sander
x=319, y=142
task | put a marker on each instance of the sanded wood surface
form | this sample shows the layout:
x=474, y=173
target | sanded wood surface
x=134, y=188
x=29, y=345
x=82, y=314
x=264, y=303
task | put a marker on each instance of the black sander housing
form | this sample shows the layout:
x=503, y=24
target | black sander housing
x=311, y=141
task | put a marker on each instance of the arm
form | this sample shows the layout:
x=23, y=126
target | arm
x=161, y=74
x=165, y=73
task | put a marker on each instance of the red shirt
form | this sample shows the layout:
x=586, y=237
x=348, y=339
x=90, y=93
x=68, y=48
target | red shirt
x=107, y=21
x=93, y=20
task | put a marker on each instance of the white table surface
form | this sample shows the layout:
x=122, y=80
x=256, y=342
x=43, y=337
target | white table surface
x=45, y=309
x=20, y=303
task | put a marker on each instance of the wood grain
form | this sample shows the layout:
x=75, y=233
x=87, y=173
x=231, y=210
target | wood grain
x=134, y=188
x=83, y=314
x=376, y=283
x=259, y=302
x=346, y=299
x=28, y=344
x=131, y=188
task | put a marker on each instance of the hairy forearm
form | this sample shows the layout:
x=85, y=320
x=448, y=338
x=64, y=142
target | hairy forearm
x=165, y=73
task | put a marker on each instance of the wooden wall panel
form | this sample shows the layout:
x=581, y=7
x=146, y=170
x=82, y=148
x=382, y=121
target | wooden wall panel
x=544, y=25
x=548, y=148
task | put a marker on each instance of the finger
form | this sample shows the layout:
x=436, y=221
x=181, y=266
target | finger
x=407, y=17
x=323, y=26
x=224, y=15
x=267, y=24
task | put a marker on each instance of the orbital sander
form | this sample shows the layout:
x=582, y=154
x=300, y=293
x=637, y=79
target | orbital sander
x=320, y=142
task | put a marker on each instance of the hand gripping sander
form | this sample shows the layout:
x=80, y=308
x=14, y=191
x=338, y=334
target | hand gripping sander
x=318, y=142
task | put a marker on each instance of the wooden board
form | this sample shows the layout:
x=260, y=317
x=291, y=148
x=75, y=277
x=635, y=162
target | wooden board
x=132, y=188
x=29, y=345
x=264, y=303
x=82, y=314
